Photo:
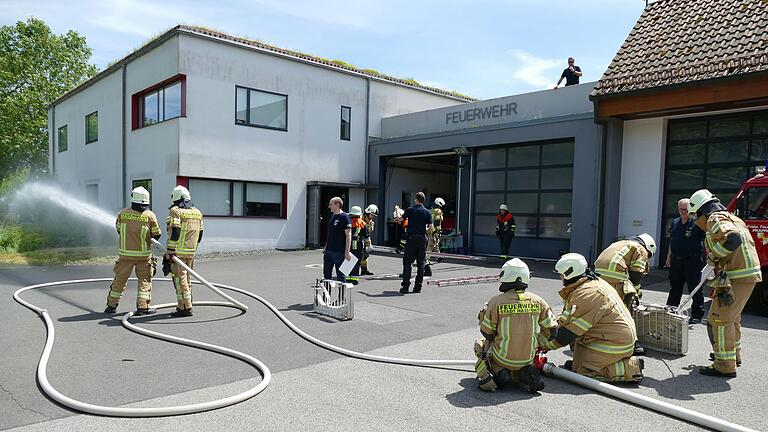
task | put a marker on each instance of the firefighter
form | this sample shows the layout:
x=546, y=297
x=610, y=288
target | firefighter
x=357, y=247
x=510, y=324
x=403, y=228
x=623, y=265
x=135, y=226
x=505, y=229
x=434, y=232
x=731, y=251
x=596, y=324
x=369, y=218
x=185, y=231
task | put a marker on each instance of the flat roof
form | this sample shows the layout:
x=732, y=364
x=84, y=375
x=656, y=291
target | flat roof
x=220, y=37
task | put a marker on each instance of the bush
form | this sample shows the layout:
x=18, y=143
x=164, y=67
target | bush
x=10, y=235
x=30, y=241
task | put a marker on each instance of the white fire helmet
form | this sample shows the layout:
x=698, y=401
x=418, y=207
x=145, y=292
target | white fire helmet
x=515, y=270
x=698, y=199
x=649, y=242
x=571, y=265
x=140, y=195
x=503, y=207
x=180, y=192
x=372, y=209
x=440, y=202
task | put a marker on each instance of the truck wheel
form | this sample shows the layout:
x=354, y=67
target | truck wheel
x=759, y=297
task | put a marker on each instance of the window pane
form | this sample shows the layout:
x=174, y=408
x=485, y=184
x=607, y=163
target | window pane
x=91, y=127
x=241, y=101
x=237, y=199
x=484, y=225
x=151, y=116
x=63, y=138
x=345, y=122
x=692, y=179
x=523, y=156
x=760, y=125
x=557, y=178
x=492, y=158
x=263, y=199
x=522, y=203
x=757, y=205
x=729, y=127
x=523, y=179
x=172, y=101
x=211, y=196
x=488, y=203
x=759, y=150
x=557, y=154
x=686, y=154
x=555, y=202
x=555, y=227
x=733, y=151
x=526, y=226
x=686, y=131
x=489, y=180
x=726, y=178
x=267, y=109
x=725, y=197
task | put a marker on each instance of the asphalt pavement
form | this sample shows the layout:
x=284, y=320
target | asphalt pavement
x=96, y=360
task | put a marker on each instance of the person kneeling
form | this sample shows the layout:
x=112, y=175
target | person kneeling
x=596, y=324
x=510, y=324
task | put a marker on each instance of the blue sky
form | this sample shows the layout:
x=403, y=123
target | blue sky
x=483, y=48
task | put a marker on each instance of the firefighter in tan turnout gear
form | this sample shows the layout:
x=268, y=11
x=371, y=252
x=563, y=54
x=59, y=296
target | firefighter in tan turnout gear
x=135, y=226
x=185, y=230
x=369, y=217
x=433, y=233
x=510, y=324
x=731, y=251
x=596, y=324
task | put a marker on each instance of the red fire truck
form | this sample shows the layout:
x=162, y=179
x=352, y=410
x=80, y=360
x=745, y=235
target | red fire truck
x=751, y=205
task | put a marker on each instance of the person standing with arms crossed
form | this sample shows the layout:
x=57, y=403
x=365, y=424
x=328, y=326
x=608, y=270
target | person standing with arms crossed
x=685, y=260
x=418, y=219
x=339, y=240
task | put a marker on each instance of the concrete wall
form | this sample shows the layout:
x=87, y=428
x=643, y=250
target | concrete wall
x=98, y=162
x=391, y=100
x=523, y=107
x=642, y=172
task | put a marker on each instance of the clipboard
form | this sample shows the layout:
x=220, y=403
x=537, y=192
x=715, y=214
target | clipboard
x=347, y=266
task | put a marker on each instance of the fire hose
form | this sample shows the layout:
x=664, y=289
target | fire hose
x=548, y=368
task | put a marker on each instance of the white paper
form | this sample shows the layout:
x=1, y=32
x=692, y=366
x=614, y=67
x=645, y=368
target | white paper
x=347, y=266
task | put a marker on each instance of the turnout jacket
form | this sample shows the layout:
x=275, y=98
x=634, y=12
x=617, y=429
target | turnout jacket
x=190, y=223
x=743, y=263
x=135, y=230
x=617, y=260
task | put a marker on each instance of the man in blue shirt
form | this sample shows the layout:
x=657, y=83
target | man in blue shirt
x=419, y=219
x=685, y=260
x=338, y=241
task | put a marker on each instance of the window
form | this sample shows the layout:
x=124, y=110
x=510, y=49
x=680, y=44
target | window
x=63, y=138
x=536, y=183
x=261, y=109
x=716, y=152
x=346, y=116
x=236, y=198
x=146, y=184
x=92, y=127
x=160, y=105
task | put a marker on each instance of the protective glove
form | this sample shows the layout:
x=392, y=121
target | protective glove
x=481, y=314
x=632, y=301
x=166, y=265
x=725, y=296
x=712, y=259
x=708, y=272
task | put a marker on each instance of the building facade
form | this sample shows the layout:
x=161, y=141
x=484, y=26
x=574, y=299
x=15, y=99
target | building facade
x=258, y=134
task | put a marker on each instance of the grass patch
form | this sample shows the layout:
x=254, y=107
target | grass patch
x=61, y=256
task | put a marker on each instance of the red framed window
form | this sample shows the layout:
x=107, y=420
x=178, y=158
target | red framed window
x=163, y=101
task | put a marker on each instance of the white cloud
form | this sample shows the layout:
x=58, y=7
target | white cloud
x=533, y=70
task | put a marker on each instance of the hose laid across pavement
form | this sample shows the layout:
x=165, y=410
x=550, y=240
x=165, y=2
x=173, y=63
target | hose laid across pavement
x=550, y=369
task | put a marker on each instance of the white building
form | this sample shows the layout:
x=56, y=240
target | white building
x=262, y=136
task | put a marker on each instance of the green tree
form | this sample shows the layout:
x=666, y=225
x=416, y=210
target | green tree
x=36, y=67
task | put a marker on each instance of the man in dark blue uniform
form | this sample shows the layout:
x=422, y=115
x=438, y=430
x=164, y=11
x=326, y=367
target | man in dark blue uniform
x=685, y=260
x=339, y=240
x=419, y=219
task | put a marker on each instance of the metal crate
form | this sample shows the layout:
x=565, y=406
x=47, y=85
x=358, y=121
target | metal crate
x=661, y=328
x=334, y=299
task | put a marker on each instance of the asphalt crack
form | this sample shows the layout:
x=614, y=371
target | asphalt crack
x=13, y=398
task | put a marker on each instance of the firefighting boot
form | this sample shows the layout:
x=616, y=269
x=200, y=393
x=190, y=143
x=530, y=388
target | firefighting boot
x=182, y=313
x=110, y=309
x=427, y=270
x=147, y=311
x=364, y=271
x=531, y=378
x=712, y=357
x=710, y=371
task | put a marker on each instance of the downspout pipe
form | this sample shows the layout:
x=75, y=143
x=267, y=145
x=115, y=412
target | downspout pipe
x=123, y=141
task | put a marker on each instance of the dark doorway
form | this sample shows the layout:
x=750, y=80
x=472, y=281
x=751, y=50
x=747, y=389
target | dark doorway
x=326, y=193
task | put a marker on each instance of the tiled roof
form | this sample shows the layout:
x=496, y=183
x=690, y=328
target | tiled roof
x=685, y=41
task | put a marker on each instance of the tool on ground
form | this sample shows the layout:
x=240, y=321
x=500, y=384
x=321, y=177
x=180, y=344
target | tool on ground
x=468, y=280
x=334, y=299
